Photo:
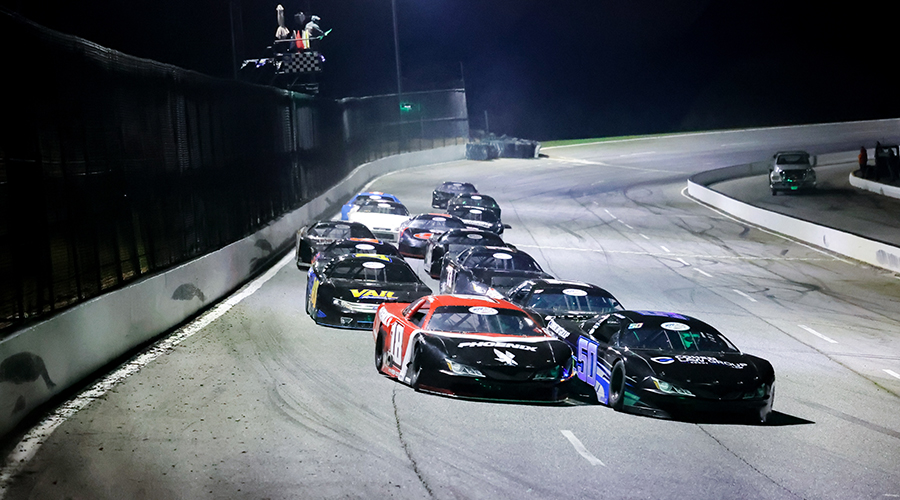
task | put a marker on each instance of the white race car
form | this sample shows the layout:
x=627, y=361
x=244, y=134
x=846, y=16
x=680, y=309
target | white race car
x=383, y=217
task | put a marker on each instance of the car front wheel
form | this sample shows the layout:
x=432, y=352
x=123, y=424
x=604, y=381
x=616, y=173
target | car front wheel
x=617, y=386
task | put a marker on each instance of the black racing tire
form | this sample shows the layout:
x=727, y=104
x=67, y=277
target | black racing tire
x=379, y=351
x=617, y=386
x=766, y=413
x=415, y=368
x=774, y=192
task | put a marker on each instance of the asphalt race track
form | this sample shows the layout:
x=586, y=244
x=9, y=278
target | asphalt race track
x=263, y=404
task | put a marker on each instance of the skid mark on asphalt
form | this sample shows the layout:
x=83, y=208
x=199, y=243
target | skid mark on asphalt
x=405, y=445
x=659, y=254
x=580, y=448
x=853, y=420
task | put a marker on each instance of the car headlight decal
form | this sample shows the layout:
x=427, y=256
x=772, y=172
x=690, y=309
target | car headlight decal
x=461, y=369
x=669, y=388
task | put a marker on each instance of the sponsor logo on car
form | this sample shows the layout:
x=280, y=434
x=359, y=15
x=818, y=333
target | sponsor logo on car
x=366, y=293
x=708, y=360
x=505, y=345
x=507, y=358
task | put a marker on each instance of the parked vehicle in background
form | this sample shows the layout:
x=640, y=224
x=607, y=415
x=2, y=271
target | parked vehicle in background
x=792, y=171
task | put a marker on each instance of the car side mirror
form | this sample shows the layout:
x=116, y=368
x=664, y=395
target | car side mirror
x=813, y=160
x=507, y=226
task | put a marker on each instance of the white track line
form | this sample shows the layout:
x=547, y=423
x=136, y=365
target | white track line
x=817, y=334
x=704, y=273
x=581, y=449
x=32, y=441
x=892, y=373
x=665, y=249
x=742, y=294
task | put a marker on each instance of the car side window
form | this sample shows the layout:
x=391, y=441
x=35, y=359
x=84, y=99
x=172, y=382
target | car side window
x=417, y=311
x=607, y=330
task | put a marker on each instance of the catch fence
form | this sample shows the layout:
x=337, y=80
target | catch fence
x=113, y=167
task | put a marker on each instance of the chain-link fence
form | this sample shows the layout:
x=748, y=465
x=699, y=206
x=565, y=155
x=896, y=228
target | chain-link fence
x=114, y=167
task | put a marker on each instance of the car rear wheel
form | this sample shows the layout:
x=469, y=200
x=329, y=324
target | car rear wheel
x=617, y=386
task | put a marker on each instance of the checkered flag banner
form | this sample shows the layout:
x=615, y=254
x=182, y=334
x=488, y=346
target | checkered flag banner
x=300, y=62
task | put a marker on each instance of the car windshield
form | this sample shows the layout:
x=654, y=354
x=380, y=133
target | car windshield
x=340, y=231
x=442, y=223
x=477, y=201
x=382, y=272
x=793, y=159
x=361, y=199
x=502, y=260
x=474, y=239
x=473, y=214
x=482, y=319
x=384, y=208
x=572, y=300
x=674, y=337
x=457, y=187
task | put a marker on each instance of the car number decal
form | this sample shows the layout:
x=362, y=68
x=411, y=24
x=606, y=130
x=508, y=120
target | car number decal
x=373, y=265
x=396, y=343
x=675, y=327
x=574, y=292
x=483, y=311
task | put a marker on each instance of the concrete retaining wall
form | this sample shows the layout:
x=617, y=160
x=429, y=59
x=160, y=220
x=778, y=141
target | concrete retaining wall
x=40, y=361
x=862, y=249
x=875, y=187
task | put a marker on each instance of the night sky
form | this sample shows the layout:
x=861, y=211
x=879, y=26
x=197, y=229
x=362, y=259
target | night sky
x=551, y=70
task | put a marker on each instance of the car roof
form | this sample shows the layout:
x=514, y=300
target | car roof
x=432, y=216
x=336, y=223
x=555, y=283
x=469, y=300
x=456, y=183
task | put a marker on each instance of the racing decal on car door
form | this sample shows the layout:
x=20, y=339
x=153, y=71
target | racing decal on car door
x=589, y=370
x=396, y=343
x=313, y=291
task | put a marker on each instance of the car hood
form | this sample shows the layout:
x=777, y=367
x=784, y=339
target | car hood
x=376, y=292
x=503, y=352
x=710, y=372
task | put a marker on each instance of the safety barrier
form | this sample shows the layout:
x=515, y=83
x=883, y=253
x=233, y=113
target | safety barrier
x=39, y=362
x=850, y=245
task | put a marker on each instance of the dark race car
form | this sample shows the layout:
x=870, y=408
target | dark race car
x=476, y=200
x=415, y=233
x=347, y=291
x=667, y=365
x=480, y=269
x=478, y=218
x=573, y=300
x=313, y=238
x=353, y=245
x=473, y=347
x=442, y=194
x=361, y=198
x=454, y=241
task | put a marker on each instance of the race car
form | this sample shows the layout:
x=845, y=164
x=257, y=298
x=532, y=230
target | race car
x=478, y=218
x=442, y=194
x=476, y=200
x=346, y=292
x=361, y=198
x=667, y=365
x=382, y=217
x=454, y=241
x=479, y=270
x=313, y=238
x=473, y=347
x=353, y=245
x=573, y=300
x=415, y=233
